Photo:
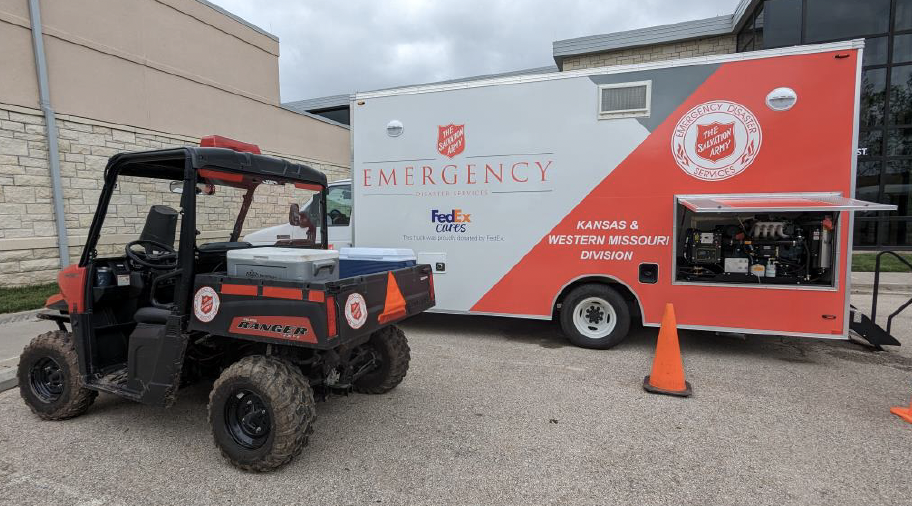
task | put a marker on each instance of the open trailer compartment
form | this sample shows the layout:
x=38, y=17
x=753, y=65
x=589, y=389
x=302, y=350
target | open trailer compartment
x=787, y=239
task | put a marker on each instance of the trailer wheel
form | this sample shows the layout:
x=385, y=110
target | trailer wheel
x=49, y=380
x=261, y=411
x=390, y=351
x=595, y=316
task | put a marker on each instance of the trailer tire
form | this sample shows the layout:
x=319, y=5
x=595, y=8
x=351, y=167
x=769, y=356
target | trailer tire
x=595, y=316
x=266, y=393
x=392, y=350
x=49, y=379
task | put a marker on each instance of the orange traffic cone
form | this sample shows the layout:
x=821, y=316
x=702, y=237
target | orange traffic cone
x=904, y=413
x=667, y=369
x=394, y=307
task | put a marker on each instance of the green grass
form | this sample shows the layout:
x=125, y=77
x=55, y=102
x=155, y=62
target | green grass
x=864, y=262
x=23, y=298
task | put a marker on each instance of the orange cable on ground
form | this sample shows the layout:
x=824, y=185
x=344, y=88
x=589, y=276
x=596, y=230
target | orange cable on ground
x=667, y=368
x=394, y=307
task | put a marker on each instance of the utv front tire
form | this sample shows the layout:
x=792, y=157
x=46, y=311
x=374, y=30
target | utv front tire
x=261, y=411
x=595, y=316
x=49, y=380
x=391, y=351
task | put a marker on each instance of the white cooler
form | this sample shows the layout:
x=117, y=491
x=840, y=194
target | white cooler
x=294, y=264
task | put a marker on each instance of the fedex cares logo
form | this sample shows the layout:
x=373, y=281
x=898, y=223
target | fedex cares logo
x=450, y=140
x=453, y=221
x=716, y=140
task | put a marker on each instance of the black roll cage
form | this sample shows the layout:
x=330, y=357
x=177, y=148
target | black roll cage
x=185, y=164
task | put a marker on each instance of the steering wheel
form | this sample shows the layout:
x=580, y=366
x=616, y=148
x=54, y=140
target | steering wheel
x=166, y=260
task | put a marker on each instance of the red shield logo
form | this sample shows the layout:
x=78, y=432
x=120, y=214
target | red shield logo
x=450, y=140
x=356, y=310
x=715, y=141
x=206, y=305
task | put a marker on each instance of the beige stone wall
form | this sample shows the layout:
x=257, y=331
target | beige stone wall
x=28, y=244
x=711, y=45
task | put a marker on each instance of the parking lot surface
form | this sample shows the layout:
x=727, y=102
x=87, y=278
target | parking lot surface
x=499, y=411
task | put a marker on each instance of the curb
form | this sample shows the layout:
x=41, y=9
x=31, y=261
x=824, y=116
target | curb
x=18, y=317
x=7, y=379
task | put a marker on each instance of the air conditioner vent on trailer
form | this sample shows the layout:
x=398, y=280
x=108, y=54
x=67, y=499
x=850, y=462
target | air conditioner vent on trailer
x=625, y=100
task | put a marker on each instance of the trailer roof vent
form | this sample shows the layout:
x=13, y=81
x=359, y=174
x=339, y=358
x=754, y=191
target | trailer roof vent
x=625, y=100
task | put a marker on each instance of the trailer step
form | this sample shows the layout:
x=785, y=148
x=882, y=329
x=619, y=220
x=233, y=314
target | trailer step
x=870, y=331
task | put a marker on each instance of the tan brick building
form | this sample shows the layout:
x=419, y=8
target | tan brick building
x=127, y=75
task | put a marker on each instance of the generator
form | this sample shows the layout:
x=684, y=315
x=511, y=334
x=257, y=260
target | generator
x=787, y=248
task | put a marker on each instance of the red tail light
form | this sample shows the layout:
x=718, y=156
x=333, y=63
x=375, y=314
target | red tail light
x=431, y=282
x=331, y=316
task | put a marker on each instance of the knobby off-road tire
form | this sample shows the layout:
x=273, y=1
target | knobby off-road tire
x=391, y=349
x=595, y=316
x=49, y=379
x=269, y=385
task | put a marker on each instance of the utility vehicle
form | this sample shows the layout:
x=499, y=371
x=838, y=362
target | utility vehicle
x=153, y=317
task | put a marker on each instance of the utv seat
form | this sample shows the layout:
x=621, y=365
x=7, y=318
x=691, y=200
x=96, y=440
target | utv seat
x=151, y=315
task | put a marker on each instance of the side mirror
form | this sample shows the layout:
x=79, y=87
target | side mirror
x=294, y=215
x=176, y=187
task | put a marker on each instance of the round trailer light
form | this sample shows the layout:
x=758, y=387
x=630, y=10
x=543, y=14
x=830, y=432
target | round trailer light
x=781, y=99
x=394, y=128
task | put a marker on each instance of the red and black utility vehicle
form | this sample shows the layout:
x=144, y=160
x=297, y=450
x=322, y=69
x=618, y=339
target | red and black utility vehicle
x=153, y=317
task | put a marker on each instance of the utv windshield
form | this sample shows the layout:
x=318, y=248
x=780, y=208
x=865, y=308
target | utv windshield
x=261, y=211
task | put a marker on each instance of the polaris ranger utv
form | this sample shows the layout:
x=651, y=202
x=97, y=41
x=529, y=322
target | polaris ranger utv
x=270, y=323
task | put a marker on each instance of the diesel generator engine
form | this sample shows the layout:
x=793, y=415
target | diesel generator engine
x=759, y=249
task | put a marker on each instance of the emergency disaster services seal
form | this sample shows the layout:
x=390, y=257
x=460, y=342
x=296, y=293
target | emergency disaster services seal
x=355, y=310
x=205, y=304
x=716, y=140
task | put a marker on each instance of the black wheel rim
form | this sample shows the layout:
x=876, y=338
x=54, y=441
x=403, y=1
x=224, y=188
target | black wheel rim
x=46, y=379
x=247, y=419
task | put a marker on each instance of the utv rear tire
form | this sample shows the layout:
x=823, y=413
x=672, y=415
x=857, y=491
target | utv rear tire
x=266, y=393
x=49, y=380
x=391, y=349
x=595, y=316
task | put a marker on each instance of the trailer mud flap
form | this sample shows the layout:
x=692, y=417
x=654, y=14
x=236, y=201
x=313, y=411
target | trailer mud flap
x=870, y=331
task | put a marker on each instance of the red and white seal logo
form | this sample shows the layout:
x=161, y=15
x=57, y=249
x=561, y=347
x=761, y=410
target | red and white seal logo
x=716, y=140
x=450, y=139
x=205, y=304
x=355, y=310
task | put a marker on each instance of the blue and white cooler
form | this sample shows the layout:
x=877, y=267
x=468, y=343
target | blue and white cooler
x=363, y=261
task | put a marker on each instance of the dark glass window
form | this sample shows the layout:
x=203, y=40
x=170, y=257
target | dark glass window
x=875, y=51
x=901, y=95
x=844, y=19
x=865, y=232
x=867, y=181
x=897, y=186
x=870, y=143
x=899, y=142
x=899, y=233
x=873, y=94
x=782, y=23
x=902, y=48
x=903, y=15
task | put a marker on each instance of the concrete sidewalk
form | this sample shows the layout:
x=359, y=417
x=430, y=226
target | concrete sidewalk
x=18, y=331
x=899, y=283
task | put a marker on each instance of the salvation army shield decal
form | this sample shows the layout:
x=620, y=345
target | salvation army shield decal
x=450, y=140
x=715, y=141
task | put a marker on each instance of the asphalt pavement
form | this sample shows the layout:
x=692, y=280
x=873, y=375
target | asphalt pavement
x=500, y=411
